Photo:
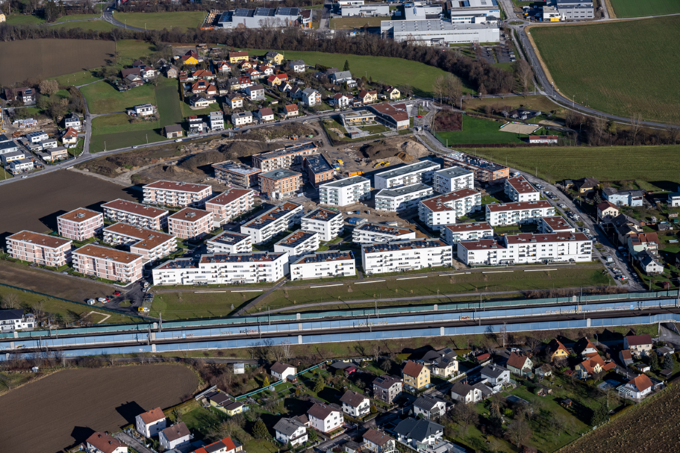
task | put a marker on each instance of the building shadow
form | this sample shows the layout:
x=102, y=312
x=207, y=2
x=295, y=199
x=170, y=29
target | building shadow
x=80, y=435
x=50, y=221
x=129, y=411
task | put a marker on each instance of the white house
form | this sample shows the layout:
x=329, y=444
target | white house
x=345, y=191
x=443, y=210
x=72, y=120
x=216, y=121
x=339, y=100
x=291, y=430
x=37, y=137
x=405, y=255
x=282, y=371
x=355, y=404
x=515, y=213
x=419, y=172
x=401, y=198
x=150, y=423
x=176, y=436
x=311, y=97
x=327, y=223
x=255, y=92
x=265, y=114
x=378, y=442
x=241, y=118
x=20, y=166
x=453, y=234
x=370, y=233
x=419, y=433
x=518, y=189
x=145, y=109
x=465, y=393
x=325, y=418
x=637, y=388
x=452, y=179
x=429, y=407
x=230, y=242
x=298, y=66
x=496, y=375
x=14, y=319
x=104, y=443
x=49, y=143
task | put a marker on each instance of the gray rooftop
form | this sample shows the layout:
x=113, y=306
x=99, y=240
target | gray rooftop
x=429, y=26
x=280, y=173
x=453, y=172
x=346, y=182
x=406, y=190
x=418, y=430
x=423, y=165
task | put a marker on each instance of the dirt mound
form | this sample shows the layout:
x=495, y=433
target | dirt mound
x=234, y=150
x=275, y=132
x=201, y=161
x=405, y=157
x=406, y=150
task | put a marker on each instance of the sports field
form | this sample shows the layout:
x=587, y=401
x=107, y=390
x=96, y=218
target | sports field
x=634, y=8
x=184, y=20
x=623, y=68
x=478, y=131
x=652, y=167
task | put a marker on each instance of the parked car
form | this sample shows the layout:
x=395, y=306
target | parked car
x=102, y=300
x=91, y=301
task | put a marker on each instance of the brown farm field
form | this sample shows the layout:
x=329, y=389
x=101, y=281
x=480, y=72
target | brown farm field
x=65, y=408
x=51, y=57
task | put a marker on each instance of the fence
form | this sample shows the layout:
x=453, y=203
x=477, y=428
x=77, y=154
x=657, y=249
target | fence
x=263, y=389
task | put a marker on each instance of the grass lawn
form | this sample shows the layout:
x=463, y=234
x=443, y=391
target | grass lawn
x=184, y=20
x=105, y=98
x=167, y=96
x=632, y=8
x=71, y=17
x=188, y=305
x=627, y=73
x=95, y=25
x=349, y=23
x=5, y=174
x=24, y=19
x=478, y=131
x=187, y=111
x=652, y=167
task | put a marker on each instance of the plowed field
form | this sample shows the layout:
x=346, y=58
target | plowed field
x=64, y=409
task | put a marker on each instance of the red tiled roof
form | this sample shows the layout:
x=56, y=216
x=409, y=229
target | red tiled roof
x=638, y=340
x=412, y=369
x=641, y=383
x=517, y=361
x=228, y=196
x=438, y=203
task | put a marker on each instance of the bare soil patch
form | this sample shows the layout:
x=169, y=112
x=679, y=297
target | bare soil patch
x=394, y=150
x=448, y=121
x=63, y=409
x=43, y=58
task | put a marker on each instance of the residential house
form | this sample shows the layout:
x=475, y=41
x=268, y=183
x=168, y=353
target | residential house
x=203, y=74
x=285, y=87
x=496, y=375
x=150, y=423
x=291, y=431
x=585, y=348
x=637, y=388
x=557, y=351
x=519, y=364
x=104, y=443
x=226, y=445
x=23, y=94
x=617, y=197
x=419, y=433
x=199, y=102
x=277, y=80
x=176, y=436
x=442, y=363
x=274, y=57
x=465, y=393
x=290, y=111
x=241, y=118
x=311, y=97
x=266, y=114
x=368, y=97
x=593, y=365
x=174, y=131
x=36, y=137
x=392, y=93
x=543, y=371
x=14, y=319
x=586, y=185
x=387, y=388
x=73, y=121
x=606, y=211
x=255, y=92
x=639, y=345
x=254, y=74
x=339, y=100
x=222, y=67
x=649, y=263
x=70, y=137
x=233, y=408
x=429, y=407
x=282, y=371
x=54, y=154
x=297, y=66
x=416, y=376
x=266, y=70
x=355, y=404
x=626, y=357
x=378, y=442
x=245, y=82
x=325, y=418
x=20, y=166
x=171, y=71
x=340, y=77
x=235, y=100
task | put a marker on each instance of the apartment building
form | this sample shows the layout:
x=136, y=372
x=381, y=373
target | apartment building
x=39, y=248
x=234, y=174
x=555, y=224
x=318, y=169
x=274, y=221
x=515, y=213
x=483, y=170
x=152, y=245
x=230, y=204
x=345, y=191
x=327, y=223
x=230, y=242
x=401, y=198
x=387, y=388
x=419, y=172
x=371, y=233
x=483, y=252
x=453, y=234
x=284, y=157
x=108, y=263
x=80, y=224
x=172, y=193
x=219, y=269
x=330, y=263
x=135, y=214
x=298, y=243
x=452, y=179
x=279, y=184
x=405, y=255
x=518, y=189
x=190, y=223
x=443, y=210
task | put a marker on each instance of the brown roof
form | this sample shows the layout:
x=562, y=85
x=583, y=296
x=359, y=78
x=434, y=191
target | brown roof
x=476, y=226
x=279, y=367
x=517, y=206
x=238, y=54
x=176, y=431
x=104, y=442
x=386, y=381
x=39, y=239
x=564, y=236
x=377, y=437
x=583, y=344
x=202, y=73
x=353, y=399
x=266, y=111
x=556, y=223
x=321, y=411
x=438, y=203
x=233, y=405
x=79, y=215
x=70, y=132
x=481, y=244
x=642, y=382
x=606, y=205
x=148, y=239
x=126, y=72
x=638, y=340
x=177, y=186
x=557, y=345
x=291, y=108
x=391, y=110
x=517, y=361
x=412, y=369
x=135, y=208
x=190, y=215
x=626, y=355
x=521, y=185
x=152, y=416
x=535, y=137
x=228, y=196
x=96, y=251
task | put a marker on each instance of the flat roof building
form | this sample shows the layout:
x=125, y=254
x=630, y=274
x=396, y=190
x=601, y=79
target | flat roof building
x=281, y=183
x=451, y=179
x=330, y=263
x=327, y=223
x=515, y=213
x=135, y=214
x=108, y=263
x=418, y=172
x=318, y=169
x=39, y=248
x=230, y=204
x=80, y=224
x=259, y=18
x=371, y=233
x=172, y=193
x=401, y=198
x=437, y=32
x=405, y=255
x=298, y=243
x=284, y=157
x=446, y=209
x=230, y=242
x=345, y=191
x=274, y=221
x=453, y=234
x=232, y=173
x=190, y=223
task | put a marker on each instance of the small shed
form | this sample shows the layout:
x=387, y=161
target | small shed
x=566, y=402
x=239, y=368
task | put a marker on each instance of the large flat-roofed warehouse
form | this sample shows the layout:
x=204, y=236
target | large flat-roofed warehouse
x=434, y=32
x=424, y=12
x=575, y=9
x=370, y=10
x=472, y=11
x=259, y=17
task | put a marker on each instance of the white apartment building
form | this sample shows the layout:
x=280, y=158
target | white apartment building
x=324, y=418
x=401, y=198
x=171, y=193
x=487, y=252
x=241, y=118
x=217, y=269
x=452, y=179
x=419, y=172
x=216, y=121
x=518, y=189
x=555, y=224
x=150, y=423
x=345, y=191
x=443, y=210
x=108, y=263
x=230, y=204
x=80, y=224
x=515, y=213
x=322, y=265
x=371, y=233
x=190, y=223
x=405, y=255
x=284, y=157
x=230, y=242
x=39, y=248
x=327, y=223
x=20, y=166
x=297, y=244
x=151, y=244
x=453, y=234
x=135, y=214
x=275, y=221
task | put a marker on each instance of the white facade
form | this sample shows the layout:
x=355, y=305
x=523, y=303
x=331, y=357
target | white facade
x=223, y=269
x=555, y=224
x=370, y=233
x=241, y=118
x=483, y=252
x=291, y=430
x=419, y=172
x=453, y=234
x=15, y=319
x=216, y=121
x=496, y=375
x=322, y=265
x=437, y=32
x=20, y=166
x=150, y=423
x=327, y=223
x=282, y=371
x=176, y=436
x=345, y=191
x=230, y=242
x=443, y=210
x=518, y=189
x=452, y=179
x=298, y=243
x=324, y=418
x=401, y=198
x=514, y=213
x=275, y=221
x=355, y=404
x=405, y=255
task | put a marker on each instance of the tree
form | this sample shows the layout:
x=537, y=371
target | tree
x=668, y=362
x=438, y=87
x=260, y=430
x=48, y=87
x=599, y=416
x=265, y=382
x=635, y=125
x=523, y=73
x=346, y=67
x=10, y=300
x=654, y=361
x=453, y=89
x=319, y=384
x=312, y=435
x=386, y=365
x=519, y=431
x=464, y=415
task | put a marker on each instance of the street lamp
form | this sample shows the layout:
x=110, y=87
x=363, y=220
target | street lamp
x=572, y=100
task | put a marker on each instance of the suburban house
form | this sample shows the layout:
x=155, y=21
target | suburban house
x=387, y=388
x=585, y=348
x=429, y=407
x=355, y=404
x=241, y=118
x=234, y=408
x=649, y=263
x=625, y=357
x=644, y=241
x=637, y=388
x=235, y=100
x=496, y=375
x=171, y=72
x=557, y=351
x=325, y=418
x=104, y=443
x=543, y=371
x=465, y=393
x=72, y=121
x=174, y=131
x=255, y=92
x=443, y=363
x=176, y=436
x=266, y=114
x=585, y=185
x=311, y=97
x=70, y=137
x=606, y=211
x=639, y=345
x=617, y=197
x=226, y=445
x=290, y=110
x=378, y=442
x=297, y=66
x=274, y=57
x=277, y=79
x=282, y=371
x=150, y=423
x=416, y=376
x=593, y=365
x=339, y=100
x=368, y=97
x=519, y=364
x=392, y=93
x=291, y=430
x=419, y=433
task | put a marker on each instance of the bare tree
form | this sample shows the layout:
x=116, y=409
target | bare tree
x=453, y=89
x=519, y=431
x=10, y=300
x=438, y=87
x=464, y=415
x=673, y=134
x=635, y=125
x=524, y=73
